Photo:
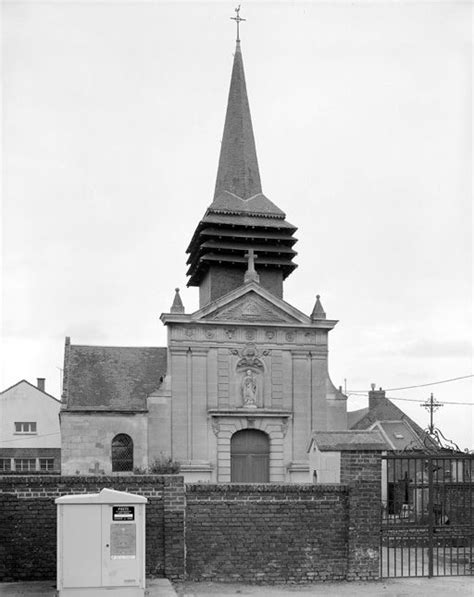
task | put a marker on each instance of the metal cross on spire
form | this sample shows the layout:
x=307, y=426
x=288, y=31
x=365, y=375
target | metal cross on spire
x=238, y=19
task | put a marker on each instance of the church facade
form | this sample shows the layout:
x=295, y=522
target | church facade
x=243, y=382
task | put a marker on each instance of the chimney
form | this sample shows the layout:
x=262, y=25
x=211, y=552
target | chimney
x=40, y=381
x=375, y=396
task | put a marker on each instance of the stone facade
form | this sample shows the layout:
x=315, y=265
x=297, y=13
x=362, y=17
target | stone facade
x=248, y=336
x=87, y=440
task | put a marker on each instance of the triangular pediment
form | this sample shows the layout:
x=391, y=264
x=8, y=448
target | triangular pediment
x=250, y=308
x=251, y=304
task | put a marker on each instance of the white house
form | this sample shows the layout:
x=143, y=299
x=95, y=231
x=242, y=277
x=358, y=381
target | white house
x=30, y=438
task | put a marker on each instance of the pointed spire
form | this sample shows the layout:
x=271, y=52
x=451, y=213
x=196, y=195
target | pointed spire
x=238, y=166
x=177, y=306
x=318, y=311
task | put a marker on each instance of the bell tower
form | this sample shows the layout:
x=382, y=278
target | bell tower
x=240, y=218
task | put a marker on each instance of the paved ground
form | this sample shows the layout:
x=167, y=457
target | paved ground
x=460, y=586
x=159, y=587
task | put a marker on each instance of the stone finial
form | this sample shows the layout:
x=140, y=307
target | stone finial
x=251, y=275
x=177, y=306
x=318, y=311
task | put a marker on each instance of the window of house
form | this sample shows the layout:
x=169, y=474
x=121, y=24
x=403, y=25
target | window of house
x=122, y=453
x=25, y=464
x=25, y=427
x=46, y=464
x=5, y=464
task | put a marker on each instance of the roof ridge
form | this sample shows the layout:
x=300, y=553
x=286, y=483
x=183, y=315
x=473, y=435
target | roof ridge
x=111, y=346
x=33, y=386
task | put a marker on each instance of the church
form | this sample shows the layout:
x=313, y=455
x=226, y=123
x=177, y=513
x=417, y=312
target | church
x=243, y=383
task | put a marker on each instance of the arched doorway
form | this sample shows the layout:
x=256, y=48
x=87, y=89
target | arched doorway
x=122, y=453
x=250, y=457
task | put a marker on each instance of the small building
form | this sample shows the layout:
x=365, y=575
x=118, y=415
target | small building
x=29, y=429
x=326, y=449
x=108, y=414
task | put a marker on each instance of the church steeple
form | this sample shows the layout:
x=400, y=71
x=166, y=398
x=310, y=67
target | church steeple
x=240, y=218
x=238, y=166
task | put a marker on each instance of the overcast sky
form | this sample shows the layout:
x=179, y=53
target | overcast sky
x=112, y=119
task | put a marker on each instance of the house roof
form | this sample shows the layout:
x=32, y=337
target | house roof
x=24, y=381
x=399, y=434
x=355, y=416
x=348, y=441
x=111, y=378
x=390, y=420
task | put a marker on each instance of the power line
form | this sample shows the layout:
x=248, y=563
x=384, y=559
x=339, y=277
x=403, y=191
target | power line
x=433, y=383
x=361, y=395
x=422, y=385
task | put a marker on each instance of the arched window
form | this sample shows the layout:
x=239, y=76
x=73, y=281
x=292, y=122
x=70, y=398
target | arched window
x=250, y=457
x=122, y=453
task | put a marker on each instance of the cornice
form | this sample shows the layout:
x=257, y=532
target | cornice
x=172, y=318
x=249, y=412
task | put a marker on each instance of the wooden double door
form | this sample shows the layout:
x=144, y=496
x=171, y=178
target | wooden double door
x=250, y=457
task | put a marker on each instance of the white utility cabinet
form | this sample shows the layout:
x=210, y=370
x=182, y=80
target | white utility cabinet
x=101, y=544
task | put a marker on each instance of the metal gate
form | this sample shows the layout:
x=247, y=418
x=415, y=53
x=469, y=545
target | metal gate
x=427, y=515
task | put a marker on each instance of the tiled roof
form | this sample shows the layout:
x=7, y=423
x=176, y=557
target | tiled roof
x=355, y=416
x=111, y=377
x=390, y=420
x=335, y=441
x=384, y=410
x=399, y=434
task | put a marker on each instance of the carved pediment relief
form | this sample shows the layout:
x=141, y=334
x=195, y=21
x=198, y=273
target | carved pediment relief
x=251, y=308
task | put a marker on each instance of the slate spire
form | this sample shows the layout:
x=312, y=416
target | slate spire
x=238, y=166
x=240, y=217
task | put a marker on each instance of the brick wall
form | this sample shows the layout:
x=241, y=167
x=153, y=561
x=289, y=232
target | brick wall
x=266, y=533
x=28, y=526
x=255, y=533
x=361, y=472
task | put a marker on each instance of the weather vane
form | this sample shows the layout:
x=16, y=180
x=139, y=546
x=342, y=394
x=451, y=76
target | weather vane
x=238, y=19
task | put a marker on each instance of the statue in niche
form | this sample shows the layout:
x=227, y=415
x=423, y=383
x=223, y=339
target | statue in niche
x=249, y=389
